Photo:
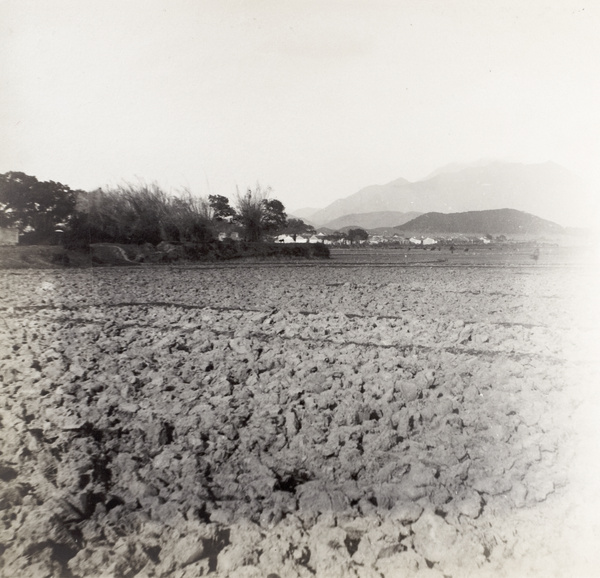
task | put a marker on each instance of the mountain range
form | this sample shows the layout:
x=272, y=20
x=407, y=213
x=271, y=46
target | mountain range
x=544, y=189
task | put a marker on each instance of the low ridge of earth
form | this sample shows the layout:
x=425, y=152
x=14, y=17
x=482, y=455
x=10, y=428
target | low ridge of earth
x=339, y=419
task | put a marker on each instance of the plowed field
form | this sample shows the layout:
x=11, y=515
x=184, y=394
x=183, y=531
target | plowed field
x=355, y=419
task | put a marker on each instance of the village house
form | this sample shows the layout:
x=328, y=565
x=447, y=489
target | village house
x=234, y=235
x=285, y=238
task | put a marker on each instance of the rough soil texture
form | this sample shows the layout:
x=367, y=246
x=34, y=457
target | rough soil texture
x=281, y=421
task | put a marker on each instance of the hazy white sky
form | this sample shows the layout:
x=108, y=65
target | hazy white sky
x=315, y=99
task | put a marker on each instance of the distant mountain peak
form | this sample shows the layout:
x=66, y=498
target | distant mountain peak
x=546, y=189
x=456, y=167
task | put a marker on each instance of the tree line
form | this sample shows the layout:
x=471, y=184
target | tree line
x=44, y=212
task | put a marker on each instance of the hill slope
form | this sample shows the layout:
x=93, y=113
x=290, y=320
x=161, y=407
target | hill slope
x=494, y=222
x=305, y=213
x=544, y=189
x=372, y=220
x=373, y=198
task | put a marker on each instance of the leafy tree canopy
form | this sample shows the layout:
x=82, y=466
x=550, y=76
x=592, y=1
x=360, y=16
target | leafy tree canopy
x=220, y=205
x=298, y=227
x=357, y=235
x=34, y=205
x=274, y=216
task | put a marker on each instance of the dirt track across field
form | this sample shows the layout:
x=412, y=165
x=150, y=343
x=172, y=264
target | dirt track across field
x=368, y=417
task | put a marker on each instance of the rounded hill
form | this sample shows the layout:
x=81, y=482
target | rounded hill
x=492, y=222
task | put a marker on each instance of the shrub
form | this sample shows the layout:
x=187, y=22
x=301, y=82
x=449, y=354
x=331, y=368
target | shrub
x=140, y=214
x=228, y=249
x=321, y=251
x=60, y=259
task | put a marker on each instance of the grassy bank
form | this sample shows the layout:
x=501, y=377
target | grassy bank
x=103, y=254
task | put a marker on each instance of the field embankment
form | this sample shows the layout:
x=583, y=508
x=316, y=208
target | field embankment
x=113, y=254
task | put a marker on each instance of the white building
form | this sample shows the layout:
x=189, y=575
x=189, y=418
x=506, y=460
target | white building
x=285, y=239
x=229, y=235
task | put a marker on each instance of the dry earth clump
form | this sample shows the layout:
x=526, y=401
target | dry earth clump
x=297, y=422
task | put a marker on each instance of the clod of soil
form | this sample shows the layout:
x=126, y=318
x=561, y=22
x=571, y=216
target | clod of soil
x=298, y=422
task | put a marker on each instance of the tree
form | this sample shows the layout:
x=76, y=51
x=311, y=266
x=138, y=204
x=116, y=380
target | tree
x=250, y=210
x=258, y=214
x=297, y=227
x=357, y=235
x=274, y=217
x=338, y=237
x=34, y=206
x=221, y=207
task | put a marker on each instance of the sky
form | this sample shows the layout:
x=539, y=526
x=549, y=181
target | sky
x=315, y=99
